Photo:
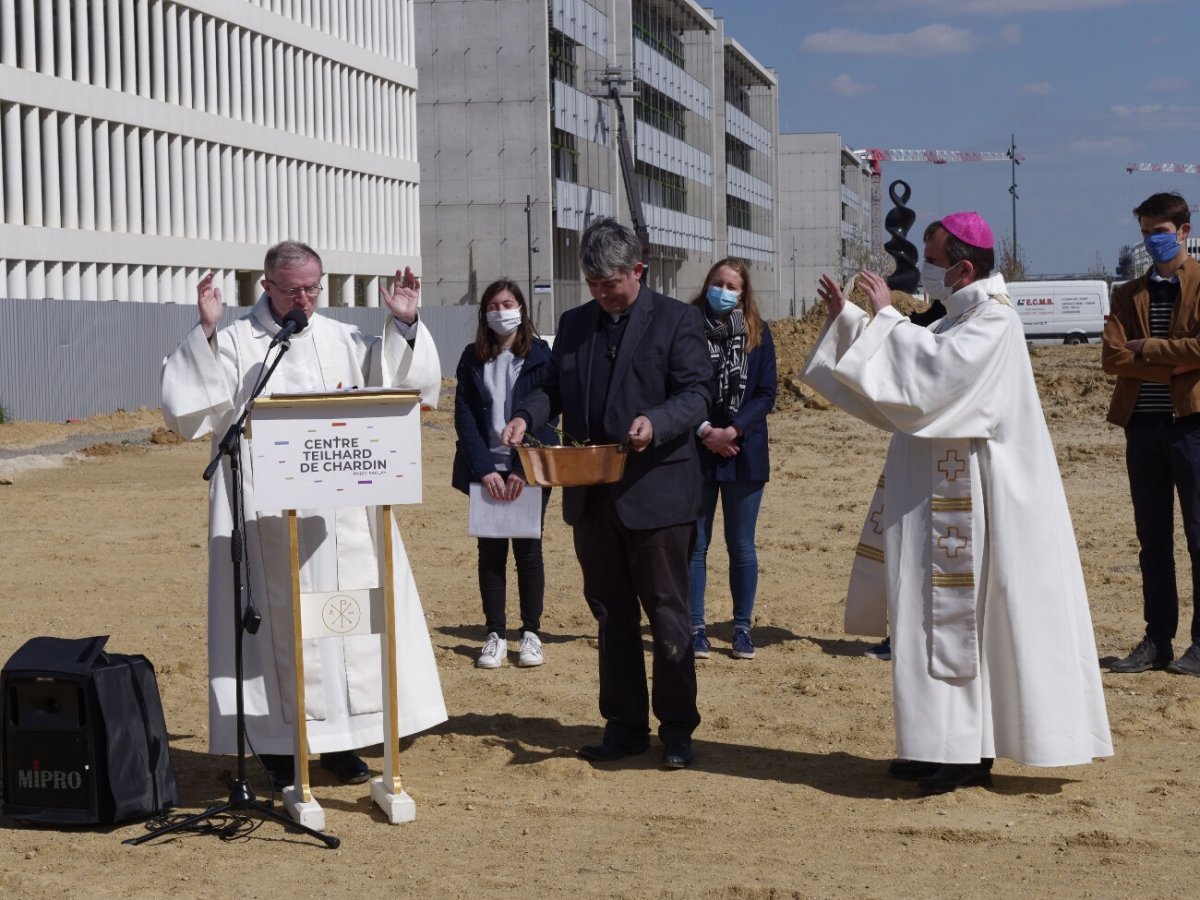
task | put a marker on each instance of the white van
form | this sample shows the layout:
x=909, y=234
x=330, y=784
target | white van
x=1073, y=312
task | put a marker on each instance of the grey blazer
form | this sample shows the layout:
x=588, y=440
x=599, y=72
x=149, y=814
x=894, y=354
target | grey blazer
x=662, y=371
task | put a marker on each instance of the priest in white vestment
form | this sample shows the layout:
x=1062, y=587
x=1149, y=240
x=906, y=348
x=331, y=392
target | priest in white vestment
x=206, y=382
x=992, y=644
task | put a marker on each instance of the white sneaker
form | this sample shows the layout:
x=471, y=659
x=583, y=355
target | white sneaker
x=494, y=651
x=531, y=650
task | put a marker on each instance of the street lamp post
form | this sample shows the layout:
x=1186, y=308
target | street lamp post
x=793, y=276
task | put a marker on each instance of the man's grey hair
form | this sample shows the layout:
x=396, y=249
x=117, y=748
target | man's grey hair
x=288, y=255
x=608, y=247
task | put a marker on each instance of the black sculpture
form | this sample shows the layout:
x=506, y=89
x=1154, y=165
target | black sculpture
x=897, y=222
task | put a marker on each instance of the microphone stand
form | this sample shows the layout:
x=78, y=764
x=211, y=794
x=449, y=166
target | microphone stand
x=241, y=797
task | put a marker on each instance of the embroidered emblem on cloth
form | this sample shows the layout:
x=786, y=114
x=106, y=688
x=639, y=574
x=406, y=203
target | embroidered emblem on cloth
x=954, y=651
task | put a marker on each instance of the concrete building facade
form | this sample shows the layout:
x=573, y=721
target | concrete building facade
x=825, y=214
x=519, y=144
x=146, y=142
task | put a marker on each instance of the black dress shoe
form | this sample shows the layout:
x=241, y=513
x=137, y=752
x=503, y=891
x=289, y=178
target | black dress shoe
x=1144, y=656
x=678, y=755
x=911, y=769
x=1188, y=664
x=347, y=766
x=280, y=769
x=952, y=776
x=609, y=750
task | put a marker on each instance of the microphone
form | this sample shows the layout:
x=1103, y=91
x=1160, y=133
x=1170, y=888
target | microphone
x=295, y=321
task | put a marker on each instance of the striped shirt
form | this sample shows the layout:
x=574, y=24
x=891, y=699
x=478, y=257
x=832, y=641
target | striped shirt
x=1155, y=397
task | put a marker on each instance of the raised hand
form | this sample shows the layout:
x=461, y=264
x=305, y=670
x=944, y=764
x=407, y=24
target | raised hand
x=208, y=300
x=876, y=289
x=828, y=290
x=404, y=296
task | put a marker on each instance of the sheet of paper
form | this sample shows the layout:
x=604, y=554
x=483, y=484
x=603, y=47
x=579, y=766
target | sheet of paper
x=520, y=518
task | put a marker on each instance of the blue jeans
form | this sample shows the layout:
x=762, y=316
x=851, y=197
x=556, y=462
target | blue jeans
x=740, y=501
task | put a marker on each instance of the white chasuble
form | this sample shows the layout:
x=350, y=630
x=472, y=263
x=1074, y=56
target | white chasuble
x=992, y=645
x=205, y=383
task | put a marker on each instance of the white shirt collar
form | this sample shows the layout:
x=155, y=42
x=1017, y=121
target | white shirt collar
x=1154, y=276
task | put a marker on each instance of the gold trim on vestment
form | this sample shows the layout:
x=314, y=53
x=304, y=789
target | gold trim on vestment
x=953, y=645
x=867, y=552
x=953, y=579
x=951, y=504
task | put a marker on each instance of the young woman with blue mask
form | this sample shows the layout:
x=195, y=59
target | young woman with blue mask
x=733, y=445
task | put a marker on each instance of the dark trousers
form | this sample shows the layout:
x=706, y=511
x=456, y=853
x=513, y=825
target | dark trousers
x=531, y=578
x=1163, y=457
x=622, y=566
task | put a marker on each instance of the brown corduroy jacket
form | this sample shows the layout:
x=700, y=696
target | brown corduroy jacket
x=1129, y=319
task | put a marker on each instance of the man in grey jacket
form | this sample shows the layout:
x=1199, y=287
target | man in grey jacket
x=632, y=365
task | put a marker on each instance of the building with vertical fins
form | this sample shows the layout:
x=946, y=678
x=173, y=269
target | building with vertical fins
x=519, y=145
x=146, y=142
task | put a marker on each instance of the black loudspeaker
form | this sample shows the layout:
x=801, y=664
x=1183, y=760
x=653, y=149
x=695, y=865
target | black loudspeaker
x=84, y=740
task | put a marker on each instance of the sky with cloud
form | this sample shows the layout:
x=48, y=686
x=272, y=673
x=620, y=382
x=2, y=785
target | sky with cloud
x=1086, y=87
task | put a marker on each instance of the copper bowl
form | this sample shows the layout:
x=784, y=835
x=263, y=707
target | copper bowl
x=573, y=466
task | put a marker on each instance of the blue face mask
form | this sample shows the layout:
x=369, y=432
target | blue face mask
x=1163, y=246
x=721, y=300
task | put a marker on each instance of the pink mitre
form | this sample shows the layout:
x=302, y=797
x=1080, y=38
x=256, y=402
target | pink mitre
x=970, y=228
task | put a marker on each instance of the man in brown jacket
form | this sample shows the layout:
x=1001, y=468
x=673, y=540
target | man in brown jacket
x=1152, y=343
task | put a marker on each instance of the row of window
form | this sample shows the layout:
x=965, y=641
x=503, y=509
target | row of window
x=36, y=279
x=168, y=52
x=381, y=26
x=65, y=171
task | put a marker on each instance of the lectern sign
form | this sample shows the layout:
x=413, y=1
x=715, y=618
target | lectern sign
x=359, y=448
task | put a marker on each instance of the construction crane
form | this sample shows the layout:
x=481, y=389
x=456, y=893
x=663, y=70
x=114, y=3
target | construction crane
x=1170, y=168
x=875, y=156
x=1175, y=168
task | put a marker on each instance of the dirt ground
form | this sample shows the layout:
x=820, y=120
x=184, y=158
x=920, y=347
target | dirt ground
x=788, y=796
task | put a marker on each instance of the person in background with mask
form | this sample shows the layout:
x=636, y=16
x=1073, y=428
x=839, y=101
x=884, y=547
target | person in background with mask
x=504, y=363
x=992, y=645
x=1150, y=343
x=734, y=460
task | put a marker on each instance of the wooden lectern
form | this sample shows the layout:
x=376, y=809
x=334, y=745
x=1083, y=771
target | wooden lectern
x=345, y=448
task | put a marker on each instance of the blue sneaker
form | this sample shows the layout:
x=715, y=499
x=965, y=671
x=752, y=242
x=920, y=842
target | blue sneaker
x=701, y=648
x=743, y=647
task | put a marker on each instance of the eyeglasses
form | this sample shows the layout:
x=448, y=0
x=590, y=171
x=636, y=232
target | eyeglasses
x=311, y=290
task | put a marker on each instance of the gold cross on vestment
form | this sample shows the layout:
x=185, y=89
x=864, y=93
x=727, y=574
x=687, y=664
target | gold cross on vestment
x=951, y=466
x=952, y=542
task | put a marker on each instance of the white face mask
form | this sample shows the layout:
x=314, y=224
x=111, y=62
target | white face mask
x=933, y=279
x=504, y=321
